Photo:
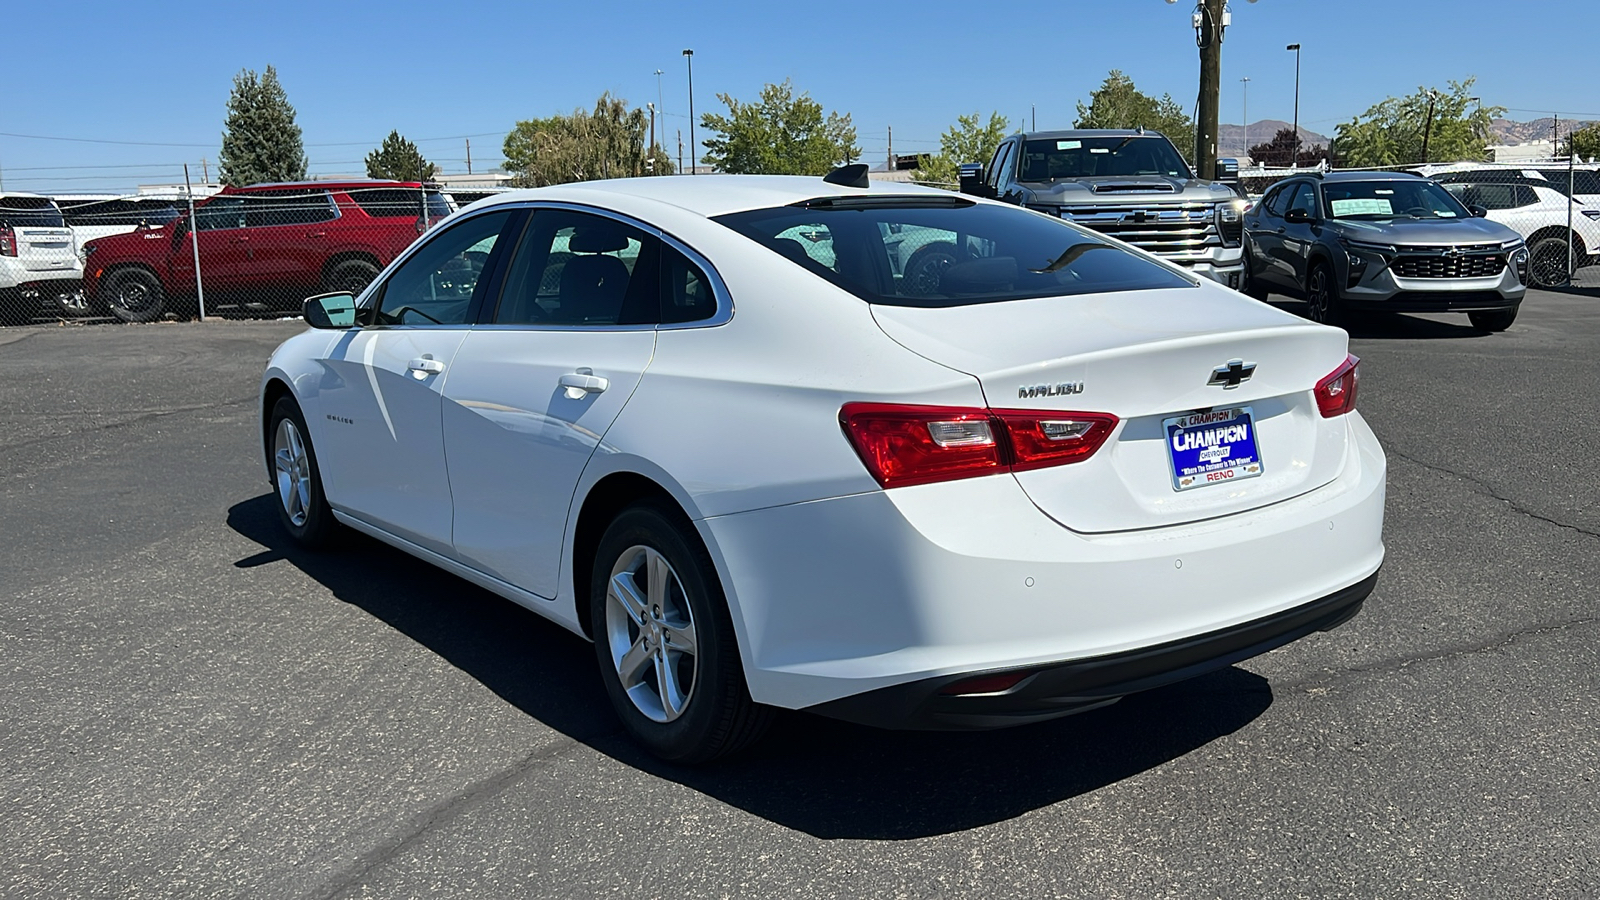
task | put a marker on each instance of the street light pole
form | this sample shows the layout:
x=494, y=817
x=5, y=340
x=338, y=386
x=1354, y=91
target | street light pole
x=688, y=56
x=1245, y=81
x=1294, y=159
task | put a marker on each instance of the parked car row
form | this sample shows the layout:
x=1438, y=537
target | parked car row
x=38, y=256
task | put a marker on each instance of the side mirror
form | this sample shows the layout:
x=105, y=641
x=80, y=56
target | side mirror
x=1478, y=212
x=972, y=180
x=1227, y=171
x=336, y=310
x=1297, y=215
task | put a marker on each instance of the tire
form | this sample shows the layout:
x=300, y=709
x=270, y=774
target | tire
x=297, y=480
x=352, y=275
x=71, y=302
x=926, y=267
x=1547, y=262
x=134, y=295
x=1492, y=320
x=14, y=309
x=1322, y=295
x=653, y=586
x=1253, y=287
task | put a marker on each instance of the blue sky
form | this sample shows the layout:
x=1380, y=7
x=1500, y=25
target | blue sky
x=160, y=73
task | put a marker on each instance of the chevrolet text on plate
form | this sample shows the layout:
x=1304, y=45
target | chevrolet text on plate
x=889, y=454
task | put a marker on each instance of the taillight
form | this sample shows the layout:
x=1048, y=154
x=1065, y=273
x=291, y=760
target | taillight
x=8, y=241
x=1336, y=394
x=903, y=444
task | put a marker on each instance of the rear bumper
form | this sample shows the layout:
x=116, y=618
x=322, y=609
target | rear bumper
x=1061, y=689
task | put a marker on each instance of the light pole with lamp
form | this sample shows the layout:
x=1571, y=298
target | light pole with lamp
x=688, y=57
x=1294, y=159
x=1245, y=112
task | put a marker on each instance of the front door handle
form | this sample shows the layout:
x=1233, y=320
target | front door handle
x=583, y=383
x=423, y=366
x=317, y=234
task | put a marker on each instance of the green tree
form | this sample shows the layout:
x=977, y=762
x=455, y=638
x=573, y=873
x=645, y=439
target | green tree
x=1392, y=132
x=1118, y=104
x=583, y=146
x=969, y=140
x=260, y=141
x=399, y=159
x=1584, y=141
x=780, y=134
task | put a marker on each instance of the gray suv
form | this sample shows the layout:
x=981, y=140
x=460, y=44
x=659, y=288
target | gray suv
x=1393, y=241
x=1131, y=185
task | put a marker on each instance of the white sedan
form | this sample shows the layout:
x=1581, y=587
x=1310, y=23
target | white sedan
x=710, y=425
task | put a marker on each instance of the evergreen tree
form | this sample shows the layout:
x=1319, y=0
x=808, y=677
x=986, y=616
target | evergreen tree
x=260, y=141
x=400, y=160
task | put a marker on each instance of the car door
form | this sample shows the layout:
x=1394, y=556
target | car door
x=532, y=394
x=286, y=240
x=381, y=441
x=1266, y=235
x=219, y=232
x=1296, y=239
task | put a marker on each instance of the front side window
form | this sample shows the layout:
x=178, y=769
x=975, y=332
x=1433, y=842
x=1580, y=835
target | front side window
x=220, y=213
x=1305, y=199
x=1390, y=199
x=436, y=284
x=1098, y=157
x=270, y=208
x=579, y=269
x=937, y=252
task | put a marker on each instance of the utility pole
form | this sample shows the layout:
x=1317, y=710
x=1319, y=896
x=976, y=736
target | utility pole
x=469, y=156
x=1033, y=110
x=1427, y=128
x=688, y=57
x=1211, y=18
x=891, y=148
x=1294, y=159
x=652, y=151
x=1246, y=114
x=680, y=151
x=205, y=173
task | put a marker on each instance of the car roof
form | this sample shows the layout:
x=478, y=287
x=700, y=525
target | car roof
x=1090, y=133
x=707, y=195
x=324, y=185
x=1335, y=177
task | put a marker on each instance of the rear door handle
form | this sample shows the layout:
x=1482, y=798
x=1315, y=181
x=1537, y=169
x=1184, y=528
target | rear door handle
x=317, y=234
x=423, y=366
x=582, y=383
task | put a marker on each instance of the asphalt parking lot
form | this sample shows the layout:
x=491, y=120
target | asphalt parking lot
x=193, y=708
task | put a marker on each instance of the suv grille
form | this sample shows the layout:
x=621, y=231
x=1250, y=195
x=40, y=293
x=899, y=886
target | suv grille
x=1440, y=265
x=1165, y=228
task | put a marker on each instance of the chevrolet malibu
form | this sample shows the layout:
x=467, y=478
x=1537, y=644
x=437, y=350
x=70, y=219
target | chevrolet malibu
x=707, y=424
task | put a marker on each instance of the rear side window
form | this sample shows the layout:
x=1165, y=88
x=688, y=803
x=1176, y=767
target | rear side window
x=578, y=269
x=399, y=203
x=685, y=291
x=938, y=252
x=30, y=212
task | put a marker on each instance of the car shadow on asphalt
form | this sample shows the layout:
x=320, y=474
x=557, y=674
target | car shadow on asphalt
x=827, y=778
x=1395, y=326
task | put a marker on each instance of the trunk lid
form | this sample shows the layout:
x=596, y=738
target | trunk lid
x=1145, y=357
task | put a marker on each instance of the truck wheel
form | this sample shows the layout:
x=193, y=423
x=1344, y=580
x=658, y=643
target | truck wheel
x=134, y=295
x=352, y=276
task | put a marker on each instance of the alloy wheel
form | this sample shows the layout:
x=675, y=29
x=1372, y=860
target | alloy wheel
x=1319, y=295
x=650, y=633
x=293, y=472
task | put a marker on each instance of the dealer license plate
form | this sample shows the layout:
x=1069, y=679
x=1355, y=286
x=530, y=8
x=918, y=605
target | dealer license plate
x=1212, y=447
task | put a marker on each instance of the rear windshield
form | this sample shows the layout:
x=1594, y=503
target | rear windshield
x=937, y=252
x=30, y=212
x=1582, y=181
x=386, y=203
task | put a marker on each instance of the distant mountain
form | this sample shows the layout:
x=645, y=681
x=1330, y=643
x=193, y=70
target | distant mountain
x=1231, y=138
x=1509, y=132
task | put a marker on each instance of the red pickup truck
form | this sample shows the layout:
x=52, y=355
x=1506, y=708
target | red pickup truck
x=262, y=248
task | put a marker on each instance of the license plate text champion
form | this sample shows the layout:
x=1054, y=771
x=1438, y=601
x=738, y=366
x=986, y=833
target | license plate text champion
x=1212, y=447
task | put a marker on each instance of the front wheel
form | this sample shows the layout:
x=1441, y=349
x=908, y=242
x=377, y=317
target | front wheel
x=1547, y=262
x=1322, y=295
x=134, y=295
x=1492, y=320
x=352, y=276
x=296, y=479
x=665, y=641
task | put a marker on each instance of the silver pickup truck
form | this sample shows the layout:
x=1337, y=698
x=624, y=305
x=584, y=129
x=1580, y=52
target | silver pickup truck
x=1131, y=185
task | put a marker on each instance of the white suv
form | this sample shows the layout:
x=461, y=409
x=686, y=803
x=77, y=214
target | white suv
x=38, y=256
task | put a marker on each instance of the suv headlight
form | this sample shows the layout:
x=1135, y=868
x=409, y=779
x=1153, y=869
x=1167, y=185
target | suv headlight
x=1360, y=254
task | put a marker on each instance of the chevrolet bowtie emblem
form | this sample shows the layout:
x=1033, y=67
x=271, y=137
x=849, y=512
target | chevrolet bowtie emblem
x=1234, y=373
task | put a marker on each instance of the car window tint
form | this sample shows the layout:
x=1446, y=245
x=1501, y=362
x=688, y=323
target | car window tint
x=270, y=208
x=1489, y=196
x=435, y=285
x=29, y=212
x=578, y=269
x=686, y=294
x=937, y=252
x=1305, y=198
x=1525, y=196
x=1276, y=200
x=219, y=213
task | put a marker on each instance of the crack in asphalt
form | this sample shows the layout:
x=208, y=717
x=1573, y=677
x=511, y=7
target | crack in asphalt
x=452, y=807
x=143, y=417
x=1486, y=490
x=1505, y=639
